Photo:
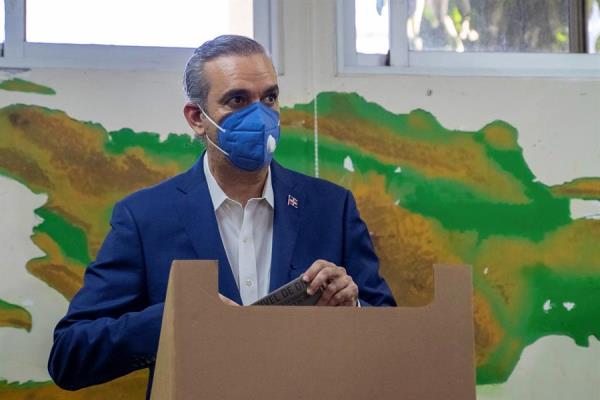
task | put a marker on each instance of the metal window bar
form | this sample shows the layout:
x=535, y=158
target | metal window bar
x=14, y=25
x=578, y=37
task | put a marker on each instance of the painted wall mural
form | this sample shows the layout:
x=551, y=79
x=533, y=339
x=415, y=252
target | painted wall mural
x=427, y=193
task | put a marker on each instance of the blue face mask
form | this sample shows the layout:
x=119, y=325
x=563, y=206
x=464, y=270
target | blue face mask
x=248, y=137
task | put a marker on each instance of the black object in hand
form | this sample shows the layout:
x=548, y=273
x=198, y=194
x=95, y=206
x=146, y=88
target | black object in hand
x=291, y=294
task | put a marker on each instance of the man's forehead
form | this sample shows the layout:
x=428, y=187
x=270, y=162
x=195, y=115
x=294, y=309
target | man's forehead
x=252, y=72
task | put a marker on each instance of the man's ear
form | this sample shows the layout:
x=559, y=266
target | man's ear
x=195, y=118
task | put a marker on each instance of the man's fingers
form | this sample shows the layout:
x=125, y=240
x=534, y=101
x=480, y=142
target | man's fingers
x=324, y=278
x=338, y=287
x=314, y=269
x=227, y=300
x=333, y=288
x=345, y=297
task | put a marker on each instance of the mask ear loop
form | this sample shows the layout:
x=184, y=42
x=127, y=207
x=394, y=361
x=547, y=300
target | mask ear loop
x=216, y=126
x=217, y=147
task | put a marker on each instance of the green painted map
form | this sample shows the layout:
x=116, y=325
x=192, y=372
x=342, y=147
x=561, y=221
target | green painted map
x=427, y=193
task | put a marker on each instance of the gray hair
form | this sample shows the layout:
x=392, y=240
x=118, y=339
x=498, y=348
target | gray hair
x=195, y=84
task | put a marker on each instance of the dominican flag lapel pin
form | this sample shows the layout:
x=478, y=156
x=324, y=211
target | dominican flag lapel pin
x=292, y=201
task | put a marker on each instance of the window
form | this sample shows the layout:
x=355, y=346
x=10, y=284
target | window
x=372, y=26
x=593, y=25
x=157, y=34
x=511, y=26
x=173, y=23
x=487, y=37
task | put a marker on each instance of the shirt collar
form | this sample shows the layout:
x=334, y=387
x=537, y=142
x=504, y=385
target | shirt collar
x=218, y=196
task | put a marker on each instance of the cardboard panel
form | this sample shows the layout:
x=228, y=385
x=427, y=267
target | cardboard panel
x=209, y=350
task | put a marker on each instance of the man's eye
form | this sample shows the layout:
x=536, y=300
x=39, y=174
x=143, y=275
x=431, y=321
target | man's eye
x=270, y=99
x=236, y=101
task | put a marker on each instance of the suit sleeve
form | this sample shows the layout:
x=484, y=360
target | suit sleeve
x=360, y=259
x=109, y=329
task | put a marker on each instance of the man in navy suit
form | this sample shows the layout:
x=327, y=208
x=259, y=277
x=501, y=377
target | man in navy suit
x=266, y=225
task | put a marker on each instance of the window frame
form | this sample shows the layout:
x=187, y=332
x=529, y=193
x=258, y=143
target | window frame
x=403, y=61
x=17, y=53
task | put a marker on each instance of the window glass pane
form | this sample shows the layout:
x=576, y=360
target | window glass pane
x=1, y=21
x=489, y=25
x=166, y=23
x=372, y=26
x=593, y=13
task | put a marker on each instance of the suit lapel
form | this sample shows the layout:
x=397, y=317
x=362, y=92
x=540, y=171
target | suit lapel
x=196, y=212
x=285, y=224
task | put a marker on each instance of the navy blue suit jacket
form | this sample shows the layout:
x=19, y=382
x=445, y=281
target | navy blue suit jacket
x=113, y=323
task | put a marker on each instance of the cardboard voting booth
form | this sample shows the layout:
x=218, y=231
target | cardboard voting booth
x=209, y=350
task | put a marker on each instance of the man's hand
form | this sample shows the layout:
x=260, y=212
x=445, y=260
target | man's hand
x=338, y=287
x=227, y=300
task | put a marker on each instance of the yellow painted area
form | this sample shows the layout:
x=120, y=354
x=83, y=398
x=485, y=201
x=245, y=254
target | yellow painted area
x=488, y=332
x=582, y=188
x=409, y=271
x=461, y=159
x=86, y=181
x=500, y=261
x=419, y=121
x=15, y=318
x=58, y=272
x=501, y=137
x=130, y=387
x=573, y=246
x=408, y=245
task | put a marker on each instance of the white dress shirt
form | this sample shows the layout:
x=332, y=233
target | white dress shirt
x=247, y=235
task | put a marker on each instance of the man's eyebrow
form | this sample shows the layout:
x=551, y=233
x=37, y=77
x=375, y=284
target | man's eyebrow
x=245, y=93
x=272, y=89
